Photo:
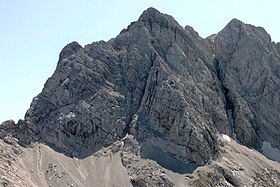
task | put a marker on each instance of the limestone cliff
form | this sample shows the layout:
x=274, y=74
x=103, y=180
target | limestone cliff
x=159, y=91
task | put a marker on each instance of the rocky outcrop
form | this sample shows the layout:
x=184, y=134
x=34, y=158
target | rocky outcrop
x=167, y=87
x=69, y=50
x=248, y=66
x=155, y=80
x=277, y=46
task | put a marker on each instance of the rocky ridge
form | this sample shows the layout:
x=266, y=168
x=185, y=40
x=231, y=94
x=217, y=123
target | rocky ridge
x=167, y=89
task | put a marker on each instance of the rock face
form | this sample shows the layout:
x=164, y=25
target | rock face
x=166, y=86
x=248, y=66
x=153, y=81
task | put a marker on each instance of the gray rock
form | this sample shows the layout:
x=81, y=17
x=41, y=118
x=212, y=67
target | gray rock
x=155, y=80
x=69, y=50
x=167, y=87
x=248, y=67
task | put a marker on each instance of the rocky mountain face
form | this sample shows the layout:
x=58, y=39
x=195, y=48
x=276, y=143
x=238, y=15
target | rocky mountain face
x=160, y=92
x=248, y=67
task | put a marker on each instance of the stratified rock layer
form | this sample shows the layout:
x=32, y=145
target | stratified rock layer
x=248, y=66
x=166, y=86
x=155, y=80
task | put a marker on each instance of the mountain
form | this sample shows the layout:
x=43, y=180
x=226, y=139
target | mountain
x=156, y=106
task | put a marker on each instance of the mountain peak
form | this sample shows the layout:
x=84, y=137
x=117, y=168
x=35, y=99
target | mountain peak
x=235, y=22
x=154, y=100
x=69, y=50
x=238, y=28
x=152, y=15
x=234, y=26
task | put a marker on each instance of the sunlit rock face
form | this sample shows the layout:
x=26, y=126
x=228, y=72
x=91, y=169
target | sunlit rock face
x=160, y=92
x=248, y=66
x=165, y=85
x=155, y=80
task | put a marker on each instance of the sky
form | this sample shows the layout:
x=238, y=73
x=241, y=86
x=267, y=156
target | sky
x=33, y=32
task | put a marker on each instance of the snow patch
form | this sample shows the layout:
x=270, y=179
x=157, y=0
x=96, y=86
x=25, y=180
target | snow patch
x=226, y=138
x=270, y=152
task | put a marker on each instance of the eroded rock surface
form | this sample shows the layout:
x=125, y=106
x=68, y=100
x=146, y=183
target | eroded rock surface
x=248, y=66
x=171, y=90
x=154, y=80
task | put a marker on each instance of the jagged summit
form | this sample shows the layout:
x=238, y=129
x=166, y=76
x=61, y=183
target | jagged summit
x=151, y=15
x=69, y=50
x=235, y=22
x=153, y=103
x=239, y=29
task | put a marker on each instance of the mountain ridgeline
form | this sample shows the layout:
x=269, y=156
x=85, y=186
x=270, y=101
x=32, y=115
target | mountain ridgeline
x=171, y=90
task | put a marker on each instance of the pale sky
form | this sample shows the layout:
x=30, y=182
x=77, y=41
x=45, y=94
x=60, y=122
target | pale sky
x=33, y=32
